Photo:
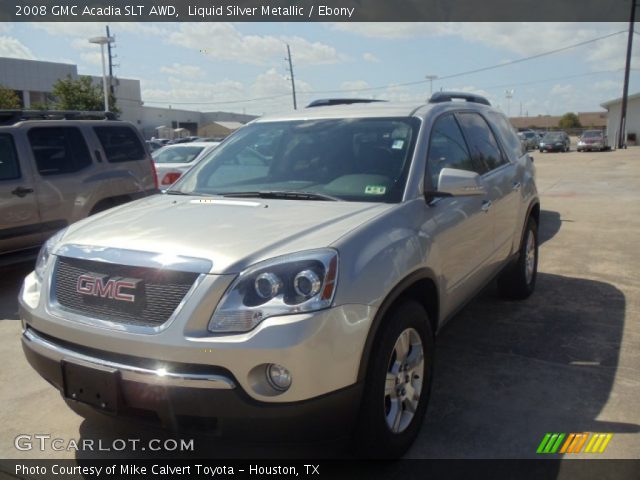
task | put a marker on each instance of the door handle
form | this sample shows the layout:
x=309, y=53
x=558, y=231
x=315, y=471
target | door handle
x=486, y=205
x=516, y=186
x=22, y=191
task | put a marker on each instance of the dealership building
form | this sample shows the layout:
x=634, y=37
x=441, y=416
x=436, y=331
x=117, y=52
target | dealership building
x=632, y=121
x=33, y=81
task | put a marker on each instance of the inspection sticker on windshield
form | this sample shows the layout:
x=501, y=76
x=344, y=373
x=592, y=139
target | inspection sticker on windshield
x=375, y=189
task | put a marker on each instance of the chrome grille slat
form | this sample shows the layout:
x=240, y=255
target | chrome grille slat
x=163, y=292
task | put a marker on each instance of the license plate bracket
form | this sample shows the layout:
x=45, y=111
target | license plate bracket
x=95, y=386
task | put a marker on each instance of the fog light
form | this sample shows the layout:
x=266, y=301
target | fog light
x=278, y=377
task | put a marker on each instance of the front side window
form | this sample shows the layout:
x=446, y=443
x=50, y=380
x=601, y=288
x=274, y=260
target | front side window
x=9, y=168
x=58, y=150
x=447, y=149
x=120, y=144
x=359, y=159
x=482, y=143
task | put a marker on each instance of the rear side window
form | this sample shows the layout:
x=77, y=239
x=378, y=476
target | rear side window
x=9, y=168
x=510, y=139
x=120, y=144
x=59, y=150
x=447, y=149
x=482, y=143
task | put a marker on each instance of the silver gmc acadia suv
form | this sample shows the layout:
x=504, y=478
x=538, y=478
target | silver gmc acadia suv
x=295, y=278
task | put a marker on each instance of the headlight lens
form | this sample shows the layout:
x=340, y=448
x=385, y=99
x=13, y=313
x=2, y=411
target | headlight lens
x=302, y=282
x=45, y=253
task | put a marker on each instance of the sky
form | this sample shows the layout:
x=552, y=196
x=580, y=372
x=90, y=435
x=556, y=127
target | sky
x=241, y=67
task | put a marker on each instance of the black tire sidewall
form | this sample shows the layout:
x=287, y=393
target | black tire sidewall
x=373, y=436
x=522, y=260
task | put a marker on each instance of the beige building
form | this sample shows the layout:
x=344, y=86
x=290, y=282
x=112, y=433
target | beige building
x=546, y=122
x=219, y=129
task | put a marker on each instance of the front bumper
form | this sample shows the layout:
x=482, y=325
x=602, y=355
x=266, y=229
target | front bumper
x=189, y=398
x=590, y=146
x=322, y=349
x=552, y=148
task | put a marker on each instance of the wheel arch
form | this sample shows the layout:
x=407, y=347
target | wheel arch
x=419, y=286
x=534, y=212
x=109, y=202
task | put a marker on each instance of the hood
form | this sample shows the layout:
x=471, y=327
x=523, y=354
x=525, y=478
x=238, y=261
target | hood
x=232, y=233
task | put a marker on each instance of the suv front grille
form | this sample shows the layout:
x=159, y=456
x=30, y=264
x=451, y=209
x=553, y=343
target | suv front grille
x=119, y=293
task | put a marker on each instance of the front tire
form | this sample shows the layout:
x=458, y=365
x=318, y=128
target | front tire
x=398, y=384
x=519, y=281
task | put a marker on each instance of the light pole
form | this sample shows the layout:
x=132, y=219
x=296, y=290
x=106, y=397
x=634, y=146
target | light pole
x=431, y=78
x=509, y=95
x=102, y=41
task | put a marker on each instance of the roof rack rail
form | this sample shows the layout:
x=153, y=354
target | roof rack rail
x=439, y=97
x=9, y=117
x=326, y=102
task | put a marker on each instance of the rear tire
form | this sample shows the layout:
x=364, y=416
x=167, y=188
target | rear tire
x=519, y=281
x=398, y=384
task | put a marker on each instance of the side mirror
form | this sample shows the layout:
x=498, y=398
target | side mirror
x=458, y=183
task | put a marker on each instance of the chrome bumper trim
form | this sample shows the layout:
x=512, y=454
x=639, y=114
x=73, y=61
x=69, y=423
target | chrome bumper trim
x=132, y=373
x=136, y=258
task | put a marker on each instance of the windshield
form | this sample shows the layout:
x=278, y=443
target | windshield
x=347, y=159
x=176, y=154
x=552, y=137
x=593, y=134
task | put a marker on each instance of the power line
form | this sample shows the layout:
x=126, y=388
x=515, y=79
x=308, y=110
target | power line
x=532, y=57
x=407, y=84
x=553, y=79
x=217, y=102
x=469, y=72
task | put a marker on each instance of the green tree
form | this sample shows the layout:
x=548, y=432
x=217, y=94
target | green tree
x=81, y=94
x=569, y=120
x=9, y=99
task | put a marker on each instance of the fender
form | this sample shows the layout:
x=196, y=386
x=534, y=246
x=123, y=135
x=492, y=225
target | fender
x=395, y=293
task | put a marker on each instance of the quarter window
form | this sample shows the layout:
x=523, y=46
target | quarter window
x=482, y=143
x=59, y=150
x=120, y=144
x=447, y=149
x=9, y=168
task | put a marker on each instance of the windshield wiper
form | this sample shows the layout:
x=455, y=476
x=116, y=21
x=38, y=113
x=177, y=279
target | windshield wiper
x=287, y=195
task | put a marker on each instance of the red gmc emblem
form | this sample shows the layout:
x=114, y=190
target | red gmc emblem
x=103, y=287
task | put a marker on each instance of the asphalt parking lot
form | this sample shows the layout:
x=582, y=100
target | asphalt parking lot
x=566, y=360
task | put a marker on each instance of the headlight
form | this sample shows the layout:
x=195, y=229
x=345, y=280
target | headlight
x=45, y=253
x=301, y=282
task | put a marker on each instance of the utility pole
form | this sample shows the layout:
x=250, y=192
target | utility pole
x=293, y=82
x=625, y=89
x=431, y=78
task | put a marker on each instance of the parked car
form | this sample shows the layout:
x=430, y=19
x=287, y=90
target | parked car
x=57, y=168
x=184, y=140
x=592, y=140
x=154, y=145
x=555, y=142
x=530, y=139
x=173, y=160
x=295, y=290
